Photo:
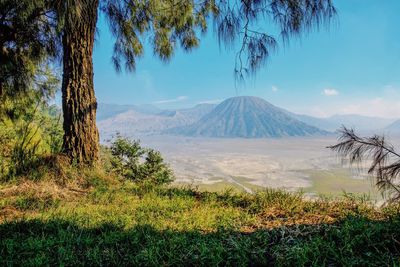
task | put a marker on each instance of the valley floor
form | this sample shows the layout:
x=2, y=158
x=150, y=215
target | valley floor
x=301, y=163
x=116, y=223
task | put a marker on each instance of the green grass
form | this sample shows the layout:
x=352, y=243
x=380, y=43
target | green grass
x=121, y=223
x=219, y=186
x=335, y=182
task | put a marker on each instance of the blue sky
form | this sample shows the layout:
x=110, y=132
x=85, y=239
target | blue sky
x=352, y=68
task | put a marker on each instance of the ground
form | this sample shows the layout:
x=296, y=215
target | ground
x=101, y=220
x=298, y=163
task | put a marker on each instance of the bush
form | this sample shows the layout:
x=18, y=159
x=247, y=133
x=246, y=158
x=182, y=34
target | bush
x=25, y=139
x=29, y=127
x=144, y=165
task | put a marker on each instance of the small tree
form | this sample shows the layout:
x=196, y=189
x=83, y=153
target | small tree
x=385, y=161
x=133, y=162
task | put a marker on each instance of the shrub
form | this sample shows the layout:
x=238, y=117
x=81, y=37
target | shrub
x=132, y=161
x=29, y=127
x=25, y=139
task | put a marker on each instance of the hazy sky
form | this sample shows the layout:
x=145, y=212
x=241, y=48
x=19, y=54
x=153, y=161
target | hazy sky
x=354, y=67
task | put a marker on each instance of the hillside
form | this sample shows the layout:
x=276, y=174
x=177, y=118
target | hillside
x=105, y=222
x=124, y=211
x=249, y=117
x=133, y=121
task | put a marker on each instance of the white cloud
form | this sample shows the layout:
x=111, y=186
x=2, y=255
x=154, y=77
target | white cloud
x=378, y=107
x=385, y=104
x=211, y=101
x=384, y=107
x=274, y=88
x=174, y=100
x=330, y=92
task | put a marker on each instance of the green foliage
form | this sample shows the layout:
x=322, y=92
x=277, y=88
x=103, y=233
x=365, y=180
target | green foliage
x=247, y=22
x=169, y=23
x=27, y=39
x=139, y=164
x=32, y=202
x=29, y=126
x=24, y=140
x=166, y=24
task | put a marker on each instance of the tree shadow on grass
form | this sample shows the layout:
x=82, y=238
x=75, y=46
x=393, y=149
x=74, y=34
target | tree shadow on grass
x=354, y=241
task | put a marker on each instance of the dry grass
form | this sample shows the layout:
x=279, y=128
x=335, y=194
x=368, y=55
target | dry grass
x=53, y=181
x=93, y=217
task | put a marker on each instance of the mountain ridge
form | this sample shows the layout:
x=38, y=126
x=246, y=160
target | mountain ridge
x=134, y=120
x=334, y=122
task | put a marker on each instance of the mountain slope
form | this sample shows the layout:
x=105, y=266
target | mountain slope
x=394, y=127
x=249, y=117
x=358, y=122
x=132, y=122
x=105, y=111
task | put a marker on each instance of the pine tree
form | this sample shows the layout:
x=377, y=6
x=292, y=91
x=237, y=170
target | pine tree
x=27, y=40
x=167, y=24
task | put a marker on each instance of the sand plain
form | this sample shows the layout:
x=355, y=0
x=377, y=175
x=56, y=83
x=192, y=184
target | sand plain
x=293, y=163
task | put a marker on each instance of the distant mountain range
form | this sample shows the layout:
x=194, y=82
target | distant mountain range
x=358, y=122
x=105, y=111
x=134, y=120
x=243, y=116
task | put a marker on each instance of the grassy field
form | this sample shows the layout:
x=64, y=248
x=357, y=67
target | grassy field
x=104, y=221
x=328, y=183
x=236, y=184
x=337, y=181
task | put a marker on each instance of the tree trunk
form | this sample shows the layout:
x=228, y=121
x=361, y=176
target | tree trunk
x=81, y=137
x=1, y=91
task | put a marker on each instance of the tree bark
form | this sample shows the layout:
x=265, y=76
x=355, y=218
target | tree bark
x=1, y=91
x=81, y=137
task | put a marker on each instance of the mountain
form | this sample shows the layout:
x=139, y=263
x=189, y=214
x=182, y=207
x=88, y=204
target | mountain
x=198, y=111
x=394, y=127
x=134, y=120
x=131, y=121
x=249, y=117
x=105, y=111
x=358, y=122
